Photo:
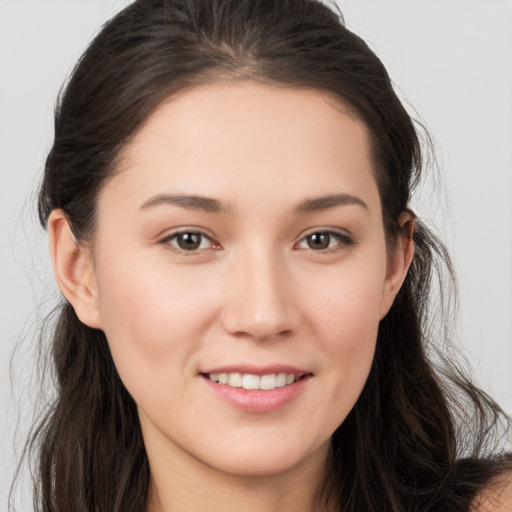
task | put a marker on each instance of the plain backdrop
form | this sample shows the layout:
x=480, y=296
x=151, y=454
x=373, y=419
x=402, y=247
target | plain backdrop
x=450, y=59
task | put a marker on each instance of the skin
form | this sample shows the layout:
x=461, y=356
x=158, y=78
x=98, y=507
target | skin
x=496, y=497
x=255, y=292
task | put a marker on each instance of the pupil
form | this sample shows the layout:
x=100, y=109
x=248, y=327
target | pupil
x=318, y=241
x=189, y=241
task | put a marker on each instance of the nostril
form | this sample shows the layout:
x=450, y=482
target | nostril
x=274, y=334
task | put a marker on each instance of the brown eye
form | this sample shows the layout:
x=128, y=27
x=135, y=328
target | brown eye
x=319, y=241
x=325, y=240
x=189, y=241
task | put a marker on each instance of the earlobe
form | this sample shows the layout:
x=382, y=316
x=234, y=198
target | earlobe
x=73, y=269
x=399, y=262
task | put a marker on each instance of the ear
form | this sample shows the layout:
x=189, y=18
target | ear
x=73, y=269
x=399, y=261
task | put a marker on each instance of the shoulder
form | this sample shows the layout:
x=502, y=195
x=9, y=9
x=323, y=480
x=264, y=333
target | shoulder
x=496, y=496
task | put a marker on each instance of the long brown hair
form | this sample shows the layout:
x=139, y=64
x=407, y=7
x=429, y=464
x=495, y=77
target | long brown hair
x=421, y=437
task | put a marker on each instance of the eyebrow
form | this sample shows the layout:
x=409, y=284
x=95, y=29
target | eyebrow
x=210, y=205
x=205, y=204
x=326, y=202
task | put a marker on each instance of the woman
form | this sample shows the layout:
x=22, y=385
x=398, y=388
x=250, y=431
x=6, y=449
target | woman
x=246, y=287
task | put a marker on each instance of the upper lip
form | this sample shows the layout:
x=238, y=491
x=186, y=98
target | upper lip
x=257, y=370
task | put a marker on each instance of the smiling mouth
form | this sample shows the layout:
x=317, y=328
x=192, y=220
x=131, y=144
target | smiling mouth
x=250, y=381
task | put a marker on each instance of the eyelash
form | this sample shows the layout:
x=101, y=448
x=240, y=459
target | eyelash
x=343, y=241
x=167, y=241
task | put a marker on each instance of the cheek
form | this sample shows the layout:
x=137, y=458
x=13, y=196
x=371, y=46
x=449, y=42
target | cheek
x=343, y=309
x=150, y=315
x=349, y=337
x=154, y=321
x=351, y=352
x=346, y=299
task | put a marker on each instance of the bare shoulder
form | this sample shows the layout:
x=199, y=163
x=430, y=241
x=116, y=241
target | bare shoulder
x=496, y=496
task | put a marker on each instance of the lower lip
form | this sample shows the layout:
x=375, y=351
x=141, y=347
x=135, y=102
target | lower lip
x=257, y=400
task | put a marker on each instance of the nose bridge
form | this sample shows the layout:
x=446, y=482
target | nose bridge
x=258, y=299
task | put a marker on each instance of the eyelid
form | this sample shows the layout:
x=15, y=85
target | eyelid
x=345, y=238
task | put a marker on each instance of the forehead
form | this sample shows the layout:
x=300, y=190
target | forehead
x=247, y=138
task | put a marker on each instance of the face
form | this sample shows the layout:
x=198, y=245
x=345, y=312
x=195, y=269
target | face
x=240, y=271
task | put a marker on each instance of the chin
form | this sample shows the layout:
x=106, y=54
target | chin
x=256, y=461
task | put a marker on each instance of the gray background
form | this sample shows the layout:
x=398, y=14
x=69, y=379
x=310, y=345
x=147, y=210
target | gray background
x=451, y=59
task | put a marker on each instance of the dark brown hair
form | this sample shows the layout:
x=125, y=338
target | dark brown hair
x=421, y=436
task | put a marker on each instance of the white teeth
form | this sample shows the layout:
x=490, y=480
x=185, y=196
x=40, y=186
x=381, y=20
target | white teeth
x=269, y=381
x=281, y=380
x=248, y=381
x=251, y=381
x=235, y=380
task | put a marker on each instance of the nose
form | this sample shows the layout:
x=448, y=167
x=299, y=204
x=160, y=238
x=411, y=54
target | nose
x=260, y=301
